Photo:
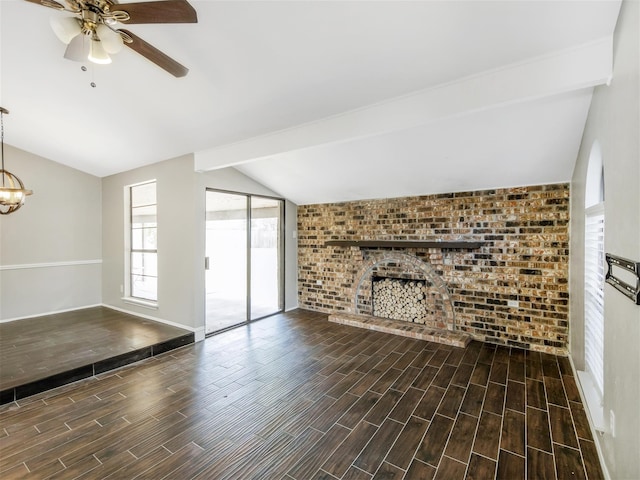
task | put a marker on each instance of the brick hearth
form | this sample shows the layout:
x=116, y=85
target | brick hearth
x=402, y=328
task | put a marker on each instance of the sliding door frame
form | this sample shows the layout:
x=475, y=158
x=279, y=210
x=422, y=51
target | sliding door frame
x=281, y=255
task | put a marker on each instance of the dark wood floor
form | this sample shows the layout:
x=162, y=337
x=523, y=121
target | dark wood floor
x=56, y=346
x=296, y=397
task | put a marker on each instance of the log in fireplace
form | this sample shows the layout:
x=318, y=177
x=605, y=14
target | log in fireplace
x=400, y=299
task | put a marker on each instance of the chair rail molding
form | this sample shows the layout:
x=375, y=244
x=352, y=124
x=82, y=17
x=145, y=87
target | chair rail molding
x=69, y=263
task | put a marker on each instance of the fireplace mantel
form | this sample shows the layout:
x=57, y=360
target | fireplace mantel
x=457, y=244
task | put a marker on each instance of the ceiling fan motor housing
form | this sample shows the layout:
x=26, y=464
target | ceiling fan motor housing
x=95, y=12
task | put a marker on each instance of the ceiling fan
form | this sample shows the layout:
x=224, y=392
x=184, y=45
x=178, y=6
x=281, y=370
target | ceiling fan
x=92, y=33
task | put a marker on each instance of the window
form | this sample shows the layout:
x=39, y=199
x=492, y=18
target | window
x=594, y=294
x=143, y=261
x=592, y=379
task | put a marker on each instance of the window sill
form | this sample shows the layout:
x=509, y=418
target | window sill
x=141, y=303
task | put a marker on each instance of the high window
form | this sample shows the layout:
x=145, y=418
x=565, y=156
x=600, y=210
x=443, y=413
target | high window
x=143, y=242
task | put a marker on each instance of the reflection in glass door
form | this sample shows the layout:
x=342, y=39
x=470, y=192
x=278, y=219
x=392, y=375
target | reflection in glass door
x=226, y=252
x=244, y=258
x=265, y=256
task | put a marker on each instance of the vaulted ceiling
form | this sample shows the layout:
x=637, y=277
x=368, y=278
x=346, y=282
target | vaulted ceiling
x=323, y=100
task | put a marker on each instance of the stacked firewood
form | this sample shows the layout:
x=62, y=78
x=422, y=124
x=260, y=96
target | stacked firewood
x=399, y=299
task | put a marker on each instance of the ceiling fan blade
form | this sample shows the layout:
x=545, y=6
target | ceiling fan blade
x=156, y=56
x=166, y=11
x=49, y=3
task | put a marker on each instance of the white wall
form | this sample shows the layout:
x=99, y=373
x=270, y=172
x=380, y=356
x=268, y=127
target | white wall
x=176, y=239
x=181, y=237
x=50, y=249
x=614, y=120
x=64, y=249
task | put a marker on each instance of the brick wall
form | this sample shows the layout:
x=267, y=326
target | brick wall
x=524, y=258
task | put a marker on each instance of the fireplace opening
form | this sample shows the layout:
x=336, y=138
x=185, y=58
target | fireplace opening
x=398, y=286
x=400, y=298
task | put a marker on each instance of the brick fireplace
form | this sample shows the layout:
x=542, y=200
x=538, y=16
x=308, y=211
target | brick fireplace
x=511, y=290
x=398, y=293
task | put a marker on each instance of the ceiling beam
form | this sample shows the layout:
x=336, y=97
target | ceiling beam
x=573, y=69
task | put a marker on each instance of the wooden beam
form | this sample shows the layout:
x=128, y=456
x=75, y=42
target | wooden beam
x=468, y=245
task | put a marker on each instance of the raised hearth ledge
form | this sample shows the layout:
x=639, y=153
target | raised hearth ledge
x=460, y=244
x=402, y=328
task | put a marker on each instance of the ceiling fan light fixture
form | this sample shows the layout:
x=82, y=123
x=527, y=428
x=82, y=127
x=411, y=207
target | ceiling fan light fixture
x=76, y=50
x=65, y=28
x=97, y=21
x=97, y=53
x=111, y=41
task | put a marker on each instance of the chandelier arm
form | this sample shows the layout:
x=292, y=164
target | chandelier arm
x=2, y=113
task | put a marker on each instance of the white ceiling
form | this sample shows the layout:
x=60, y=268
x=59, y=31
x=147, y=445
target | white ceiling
x=323, y=100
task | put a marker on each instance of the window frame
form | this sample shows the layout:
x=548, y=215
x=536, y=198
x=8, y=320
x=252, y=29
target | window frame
x=592, y=378
x=131, y=296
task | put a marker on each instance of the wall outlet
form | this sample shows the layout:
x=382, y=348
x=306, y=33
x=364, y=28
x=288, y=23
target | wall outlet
x=121, y=288
x=318, y=282
x=513, y=303
x=612, y=423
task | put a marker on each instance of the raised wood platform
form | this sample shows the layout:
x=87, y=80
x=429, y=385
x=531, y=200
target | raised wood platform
x=42, y=353
x=404, y=329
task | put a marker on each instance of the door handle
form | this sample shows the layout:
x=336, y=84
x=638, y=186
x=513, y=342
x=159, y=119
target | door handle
x=206, y=263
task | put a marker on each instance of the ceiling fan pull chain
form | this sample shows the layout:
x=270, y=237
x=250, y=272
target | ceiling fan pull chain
x=84, y=69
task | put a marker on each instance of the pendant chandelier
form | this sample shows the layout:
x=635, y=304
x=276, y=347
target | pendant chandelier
x=12, y=191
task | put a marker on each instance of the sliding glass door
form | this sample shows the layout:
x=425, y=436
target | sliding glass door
x=226, y=252
x=265, y=256
x=244, y=258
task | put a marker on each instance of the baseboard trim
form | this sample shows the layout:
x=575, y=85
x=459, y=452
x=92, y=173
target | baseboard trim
x=199, y=334
x=155, y=319
x=595, y=433
x=51, y=313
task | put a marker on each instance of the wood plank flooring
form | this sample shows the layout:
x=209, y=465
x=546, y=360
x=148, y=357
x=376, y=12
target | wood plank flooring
x=298, y=398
